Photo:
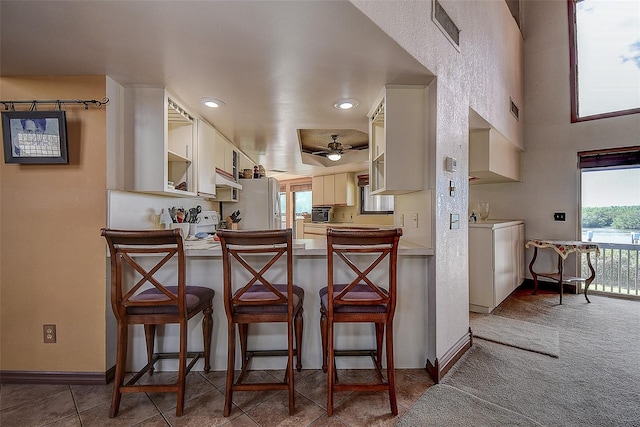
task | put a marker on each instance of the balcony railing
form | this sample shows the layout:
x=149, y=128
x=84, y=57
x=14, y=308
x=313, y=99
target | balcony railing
x=617, y=269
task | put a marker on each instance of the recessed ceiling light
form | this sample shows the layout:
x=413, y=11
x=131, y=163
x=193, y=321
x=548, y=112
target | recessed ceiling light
x=212, y=102
x=346, y=104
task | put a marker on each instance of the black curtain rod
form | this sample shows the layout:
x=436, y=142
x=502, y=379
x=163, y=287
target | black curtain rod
x=10, y=105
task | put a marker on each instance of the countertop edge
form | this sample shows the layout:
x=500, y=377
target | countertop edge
x=496, y=223
x=313, y=247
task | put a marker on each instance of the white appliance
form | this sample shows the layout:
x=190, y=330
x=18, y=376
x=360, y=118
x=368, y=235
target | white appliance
x=258, y=203
x=209, y=221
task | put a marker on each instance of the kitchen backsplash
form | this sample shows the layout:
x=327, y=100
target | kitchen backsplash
x=138, y=211
x=351, y=214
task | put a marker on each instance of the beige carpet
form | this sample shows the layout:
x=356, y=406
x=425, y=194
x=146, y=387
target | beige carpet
x=446, y=406
x=516, y=333
x=594, y=381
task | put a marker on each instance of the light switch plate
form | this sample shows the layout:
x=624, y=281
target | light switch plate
x=454, y=221
x=451, y=164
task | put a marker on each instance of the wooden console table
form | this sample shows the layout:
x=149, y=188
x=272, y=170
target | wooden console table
x=563, y=249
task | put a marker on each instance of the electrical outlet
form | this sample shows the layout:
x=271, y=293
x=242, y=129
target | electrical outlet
x=415, y=220
x=49, y=334
x=559, y=216
x=401, y=221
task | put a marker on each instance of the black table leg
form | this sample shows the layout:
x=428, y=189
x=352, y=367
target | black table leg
x=560, y=268
x=591, y=277
x=533, y=273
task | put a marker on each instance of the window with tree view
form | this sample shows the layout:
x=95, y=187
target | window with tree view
x=610, y=195
x=605, y=58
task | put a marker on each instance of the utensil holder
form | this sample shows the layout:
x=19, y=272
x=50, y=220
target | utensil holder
x=183, y=226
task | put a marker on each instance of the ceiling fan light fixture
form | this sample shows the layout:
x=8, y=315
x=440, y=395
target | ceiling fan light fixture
x=335, y=156
x=346, y=104
x=212, y=102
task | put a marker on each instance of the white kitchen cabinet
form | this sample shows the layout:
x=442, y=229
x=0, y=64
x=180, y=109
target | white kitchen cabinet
x=163, y=136
x=492, y=158
x=227, y=194
x=496, y=262
x=328, y=190
x=226, y=156
x=344, y=189
x=227, y=160
x=398, y=140
x=317, y=190
x=206, y=159
x=333, y=190
x=315, y=231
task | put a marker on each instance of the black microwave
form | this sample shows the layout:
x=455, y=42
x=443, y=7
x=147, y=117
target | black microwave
x=321, y=214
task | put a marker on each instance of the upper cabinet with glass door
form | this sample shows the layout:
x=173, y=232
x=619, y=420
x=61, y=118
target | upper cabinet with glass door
x=398, y=140
x=163, y=135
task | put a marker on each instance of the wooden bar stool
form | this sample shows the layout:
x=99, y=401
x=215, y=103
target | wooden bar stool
x=258, y=288
x=360, y=300
x=150, y=303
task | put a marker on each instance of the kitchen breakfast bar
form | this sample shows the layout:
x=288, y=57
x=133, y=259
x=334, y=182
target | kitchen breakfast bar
x=204, y=268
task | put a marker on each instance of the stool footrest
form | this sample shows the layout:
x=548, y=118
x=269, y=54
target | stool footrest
x=194, y=356
x=370, y=353
x=268, y=353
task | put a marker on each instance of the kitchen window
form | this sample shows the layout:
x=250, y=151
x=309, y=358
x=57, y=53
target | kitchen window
x=295, y=200
x=373, y=205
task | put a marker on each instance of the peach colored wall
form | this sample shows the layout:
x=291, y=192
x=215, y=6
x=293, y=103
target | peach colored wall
x=52, y=258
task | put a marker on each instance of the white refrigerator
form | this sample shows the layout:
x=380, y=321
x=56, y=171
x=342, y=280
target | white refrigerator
x=258, y=203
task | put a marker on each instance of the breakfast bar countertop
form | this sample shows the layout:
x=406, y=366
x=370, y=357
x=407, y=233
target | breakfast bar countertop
x=211, y=247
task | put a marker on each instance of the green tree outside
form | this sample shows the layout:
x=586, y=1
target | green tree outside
x=619, y=217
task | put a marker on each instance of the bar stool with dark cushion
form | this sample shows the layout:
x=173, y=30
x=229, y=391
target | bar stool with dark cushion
x=360, y=254
x=258, y=288
x=139, y=256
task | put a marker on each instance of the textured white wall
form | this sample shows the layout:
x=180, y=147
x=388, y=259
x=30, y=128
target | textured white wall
x=550, y=177
x=482, y=75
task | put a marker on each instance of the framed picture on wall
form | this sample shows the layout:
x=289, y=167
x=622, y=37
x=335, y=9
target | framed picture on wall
x=38, y=137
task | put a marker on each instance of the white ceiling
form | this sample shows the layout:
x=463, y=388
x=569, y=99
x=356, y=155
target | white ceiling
x=279, y=66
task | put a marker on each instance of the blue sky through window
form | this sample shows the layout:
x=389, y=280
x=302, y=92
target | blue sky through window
x=608, y=50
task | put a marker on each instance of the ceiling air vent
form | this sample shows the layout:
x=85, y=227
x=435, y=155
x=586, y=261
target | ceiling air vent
x=514, y=109
x=446, y=24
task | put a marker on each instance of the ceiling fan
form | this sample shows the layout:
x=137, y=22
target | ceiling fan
x=334, y=149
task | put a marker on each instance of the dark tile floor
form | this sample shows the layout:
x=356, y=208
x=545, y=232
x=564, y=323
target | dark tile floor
x=27, y=405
